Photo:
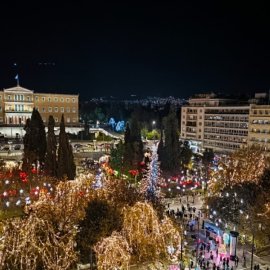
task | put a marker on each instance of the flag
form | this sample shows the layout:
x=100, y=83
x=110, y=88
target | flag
x=17, y=79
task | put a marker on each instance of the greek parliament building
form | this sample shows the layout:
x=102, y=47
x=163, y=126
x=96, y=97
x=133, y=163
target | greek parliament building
x=17, y=103
x=225, y=125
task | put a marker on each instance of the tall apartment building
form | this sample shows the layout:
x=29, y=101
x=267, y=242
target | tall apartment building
x=17, y=103
x=259, y=126
x=210, y=122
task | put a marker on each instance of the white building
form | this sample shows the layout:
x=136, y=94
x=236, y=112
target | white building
x=210, y=122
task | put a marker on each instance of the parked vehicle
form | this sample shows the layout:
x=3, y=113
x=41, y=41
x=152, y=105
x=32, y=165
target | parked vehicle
x=17, y=147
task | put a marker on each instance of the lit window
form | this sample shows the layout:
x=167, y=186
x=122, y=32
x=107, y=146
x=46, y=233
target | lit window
x=73, y=110
x=68, y=110
x=68, y=120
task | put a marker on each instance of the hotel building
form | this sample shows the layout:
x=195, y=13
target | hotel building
x=259, y=126
x=17, y=103
x=216, y=123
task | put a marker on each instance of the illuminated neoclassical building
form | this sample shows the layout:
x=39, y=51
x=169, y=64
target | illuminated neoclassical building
x=17, y=103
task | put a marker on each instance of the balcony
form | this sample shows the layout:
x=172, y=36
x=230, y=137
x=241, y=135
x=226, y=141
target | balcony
x=191, y=124
x=217, y=112
x=13, y=111
x=227, y=134
x=18, y=101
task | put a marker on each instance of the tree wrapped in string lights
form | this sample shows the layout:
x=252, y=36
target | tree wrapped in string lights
x=119, y=192
x=34, y=243
x=143, y=238
x=45, y=237
x=148, y=237
x=149, y=184
x=113, y=252
x=242, y=166
x=239, y=190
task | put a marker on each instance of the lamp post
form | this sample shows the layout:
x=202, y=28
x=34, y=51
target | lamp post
x=183, y=234
x=253, y=244
x=197, y=239
x=252, y=251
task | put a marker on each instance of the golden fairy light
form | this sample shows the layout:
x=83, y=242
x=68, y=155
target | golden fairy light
x=113, y=252
x=242, y=166
x=147, y=235
x=45, y=237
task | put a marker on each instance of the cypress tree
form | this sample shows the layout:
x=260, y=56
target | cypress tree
x=170, y=154
x=127, y=138
x=136, y=138
x=127, y=155
x=160, y=147
x=26, y=166
x=133, y=146
x=66, y=165
x=35, y=141
x=185, y=154
x=50, y=158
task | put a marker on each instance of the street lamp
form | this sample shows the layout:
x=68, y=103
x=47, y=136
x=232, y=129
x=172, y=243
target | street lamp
x=153, y=124
x=253, y=245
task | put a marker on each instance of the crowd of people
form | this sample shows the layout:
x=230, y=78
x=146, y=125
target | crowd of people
x=206, y=254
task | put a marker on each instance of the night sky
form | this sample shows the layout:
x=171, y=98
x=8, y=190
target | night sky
x=98, y=48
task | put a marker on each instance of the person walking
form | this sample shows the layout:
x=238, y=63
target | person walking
x=236, y=261
x=227, y=262
x=244, y=261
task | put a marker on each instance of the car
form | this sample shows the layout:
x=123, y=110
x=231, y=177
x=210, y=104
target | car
x=77, y=145
x=17, y=147
x=6, y=148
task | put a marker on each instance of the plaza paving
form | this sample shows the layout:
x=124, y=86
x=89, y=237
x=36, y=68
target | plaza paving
x=174, y=204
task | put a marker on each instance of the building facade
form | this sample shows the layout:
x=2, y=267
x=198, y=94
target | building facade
x=259, y=126
x=210, y=122
x=17, y=103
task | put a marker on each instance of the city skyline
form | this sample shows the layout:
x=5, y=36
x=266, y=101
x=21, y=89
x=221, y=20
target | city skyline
x=116, y=49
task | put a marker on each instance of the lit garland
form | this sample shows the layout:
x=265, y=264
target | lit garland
x=46, y=237
x=149, y=184
x=34, y=242
x=113, y=253
x=242, y=166
x=146, y=235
